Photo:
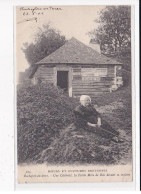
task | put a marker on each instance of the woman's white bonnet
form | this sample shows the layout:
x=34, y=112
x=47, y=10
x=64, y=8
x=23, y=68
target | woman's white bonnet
x=83, y=97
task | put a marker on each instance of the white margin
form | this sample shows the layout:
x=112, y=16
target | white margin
x=7, y=99
x=92, y=186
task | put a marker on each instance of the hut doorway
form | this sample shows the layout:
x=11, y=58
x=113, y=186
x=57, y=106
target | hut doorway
x=62, y=80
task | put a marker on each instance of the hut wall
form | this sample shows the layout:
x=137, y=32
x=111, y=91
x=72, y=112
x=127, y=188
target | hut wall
x=45, y=74
x=92, y=81
x=82, y=79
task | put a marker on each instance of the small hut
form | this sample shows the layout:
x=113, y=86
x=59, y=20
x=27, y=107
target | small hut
x=78, y=69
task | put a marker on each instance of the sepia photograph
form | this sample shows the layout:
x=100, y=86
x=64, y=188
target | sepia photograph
x=74, y=93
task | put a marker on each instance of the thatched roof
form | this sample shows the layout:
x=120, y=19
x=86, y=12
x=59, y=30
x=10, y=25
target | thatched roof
x=73, y=52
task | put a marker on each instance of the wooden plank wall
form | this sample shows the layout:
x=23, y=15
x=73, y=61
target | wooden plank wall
x=45, y=74
x=84, y=84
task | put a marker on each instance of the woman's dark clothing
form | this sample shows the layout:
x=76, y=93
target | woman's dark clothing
x=84, y=115
x=89, y=114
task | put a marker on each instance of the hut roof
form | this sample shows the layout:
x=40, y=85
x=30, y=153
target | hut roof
x=73, y=52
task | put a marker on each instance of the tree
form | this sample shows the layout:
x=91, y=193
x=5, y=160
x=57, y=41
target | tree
x=114, y=31
x=47, y=40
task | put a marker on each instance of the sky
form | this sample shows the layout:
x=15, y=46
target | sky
x=71, y=21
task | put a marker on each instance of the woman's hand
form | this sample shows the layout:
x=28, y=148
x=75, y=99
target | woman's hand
x=91, y=125
x=99, y=122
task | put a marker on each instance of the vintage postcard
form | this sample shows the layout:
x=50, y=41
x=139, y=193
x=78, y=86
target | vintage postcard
x=74, y=94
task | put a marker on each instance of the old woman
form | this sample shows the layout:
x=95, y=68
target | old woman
x=87, y=118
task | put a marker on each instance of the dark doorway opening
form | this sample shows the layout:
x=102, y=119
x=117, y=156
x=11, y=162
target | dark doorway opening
x=62, y=80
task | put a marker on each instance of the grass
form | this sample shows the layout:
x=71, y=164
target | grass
x=116, y=108
x=46, y=133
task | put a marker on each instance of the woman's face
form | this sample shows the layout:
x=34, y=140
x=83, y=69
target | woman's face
x=87, y=102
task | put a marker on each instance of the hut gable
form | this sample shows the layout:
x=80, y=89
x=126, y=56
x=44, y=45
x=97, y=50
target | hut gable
x=75, y=52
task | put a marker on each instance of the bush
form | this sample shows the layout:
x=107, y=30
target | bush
x=42, y=111
x=79, y=147
x=46, y=133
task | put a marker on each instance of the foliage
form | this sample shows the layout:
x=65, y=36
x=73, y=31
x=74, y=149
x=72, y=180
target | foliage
x=79, y=147
x=47, y=40
x=42, y=111
x=46, y=132
x=114, y=30
x=74, y=146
